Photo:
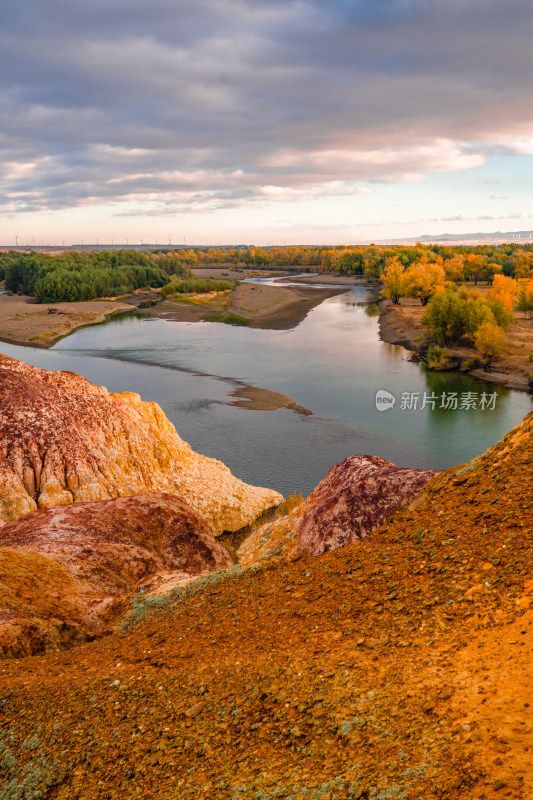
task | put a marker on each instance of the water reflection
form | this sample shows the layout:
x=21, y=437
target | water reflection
x=332, y=363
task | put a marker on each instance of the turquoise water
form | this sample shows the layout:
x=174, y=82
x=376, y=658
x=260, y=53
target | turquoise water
x=333, y=363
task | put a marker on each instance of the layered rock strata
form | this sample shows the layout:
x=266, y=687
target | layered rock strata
x=64, y=440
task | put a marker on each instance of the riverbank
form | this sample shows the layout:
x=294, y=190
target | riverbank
x=401, y=324
x=23, y=321
x=254, y=305
x=328, y=277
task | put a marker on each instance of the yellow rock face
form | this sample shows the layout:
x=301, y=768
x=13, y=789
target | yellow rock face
x=64, y=440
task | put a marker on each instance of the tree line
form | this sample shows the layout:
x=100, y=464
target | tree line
x=477, y=263
x=74, y=276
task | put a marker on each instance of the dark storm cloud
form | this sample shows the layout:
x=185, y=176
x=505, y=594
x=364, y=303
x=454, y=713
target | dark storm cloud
x=226, y=102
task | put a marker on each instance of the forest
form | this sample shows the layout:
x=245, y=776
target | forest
x=464, y=262
x=74, y=276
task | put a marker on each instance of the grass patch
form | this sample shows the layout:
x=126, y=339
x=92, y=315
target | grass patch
x=197, y=286
x=228, y=318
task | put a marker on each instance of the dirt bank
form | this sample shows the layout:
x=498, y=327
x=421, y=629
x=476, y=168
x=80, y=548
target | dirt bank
x=22, y=321
x=401, y=324
x=258, y=306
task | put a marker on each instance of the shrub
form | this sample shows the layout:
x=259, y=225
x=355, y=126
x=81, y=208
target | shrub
x=292, y=501
x=490, y=341
x=469, y=364
x=446, y=317
x=453, y=314
x=525, y=299
x=439, y=358
x=197, y=286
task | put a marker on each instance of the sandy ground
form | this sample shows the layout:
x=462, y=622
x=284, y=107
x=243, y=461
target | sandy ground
x=265, y=400
x=258, y=306
x=22, y=321
x=401, y=324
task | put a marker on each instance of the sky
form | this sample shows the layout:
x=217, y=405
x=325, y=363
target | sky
x=264, y=121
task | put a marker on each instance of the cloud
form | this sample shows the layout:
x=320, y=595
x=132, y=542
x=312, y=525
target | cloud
x=168, y=105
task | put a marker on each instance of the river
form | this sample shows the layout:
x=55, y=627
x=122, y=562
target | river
x=332, y=363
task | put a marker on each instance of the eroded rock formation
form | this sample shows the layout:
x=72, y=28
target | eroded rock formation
x=65, y=440
x=69, y=573
x=354, y=498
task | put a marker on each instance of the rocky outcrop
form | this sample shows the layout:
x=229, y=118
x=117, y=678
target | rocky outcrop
x=354, y=498
x=64, y=440
x=69, y=573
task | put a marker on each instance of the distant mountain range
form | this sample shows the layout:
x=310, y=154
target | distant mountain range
x=497, y=237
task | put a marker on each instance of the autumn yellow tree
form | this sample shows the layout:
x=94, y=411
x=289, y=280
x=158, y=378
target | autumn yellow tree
x=504, y=289
x=454, y=269
x=522, y=263
x=490, y=341
x=424, y=279
x=489, y=270
x=394, y=284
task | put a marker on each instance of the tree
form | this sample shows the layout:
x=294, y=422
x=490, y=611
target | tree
x=394, y=280
x=446, y=317
x=454, y=269
x=424, y=279
x=453, y=314
x=522, y=263
x=504, y=289
x=374, y=262
x=525, y=299
x=474, y=264
x=490, y=341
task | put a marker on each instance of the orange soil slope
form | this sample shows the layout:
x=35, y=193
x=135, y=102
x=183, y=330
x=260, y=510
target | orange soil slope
x=396, y=667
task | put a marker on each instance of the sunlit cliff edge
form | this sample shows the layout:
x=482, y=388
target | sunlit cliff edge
x=65, y=440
